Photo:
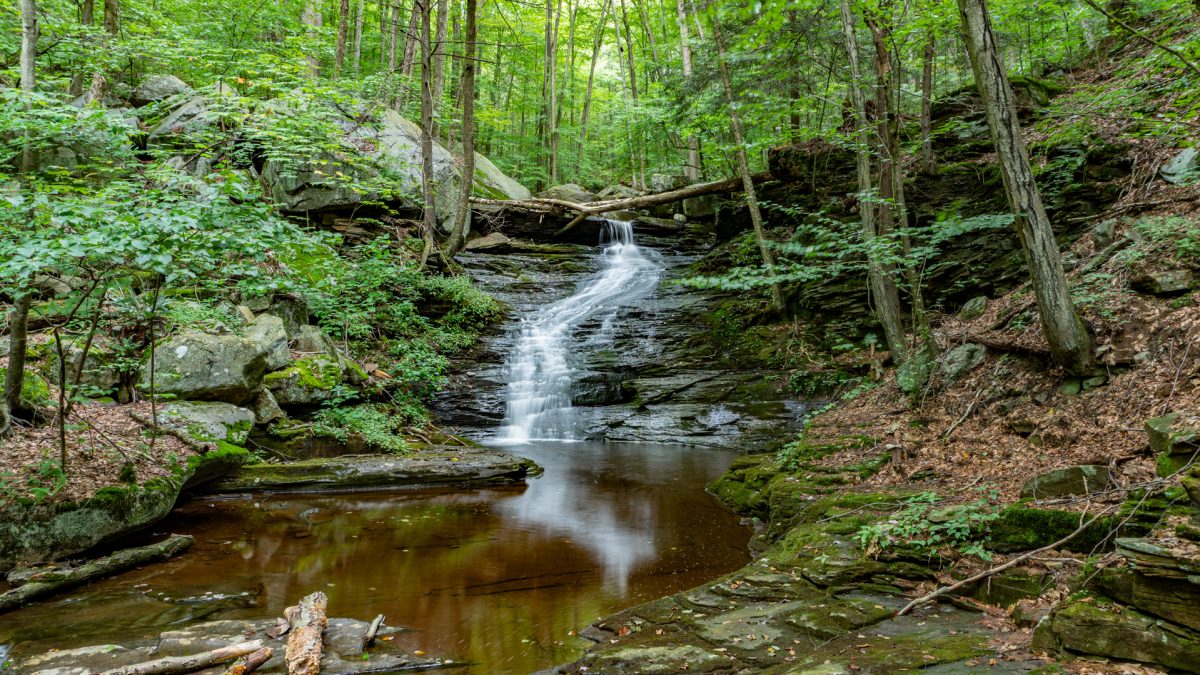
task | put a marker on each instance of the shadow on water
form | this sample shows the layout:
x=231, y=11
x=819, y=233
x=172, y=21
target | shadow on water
x=498, y=577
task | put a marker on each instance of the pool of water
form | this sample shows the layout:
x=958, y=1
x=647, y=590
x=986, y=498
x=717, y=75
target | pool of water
x=501, y=578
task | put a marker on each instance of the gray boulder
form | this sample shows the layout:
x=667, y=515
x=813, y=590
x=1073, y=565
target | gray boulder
x=313, y=340
x=492, y=243
x=1163, y=282
x=1182, y=168
x=618, y=192
x=208, y=421
x=293, y=309
x=99, y=372
x=568, y=192
x=269, y=334
x=1073, y=480
x=158, y=87
x=957, y=363
x=973, y=308
x=207, y=367
x=266, y=408
x=197, y=113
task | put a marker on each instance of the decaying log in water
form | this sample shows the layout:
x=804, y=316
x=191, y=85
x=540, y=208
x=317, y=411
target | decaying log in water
x=175, y=665
x=250, y=662
x=593, y=208
x=95, y=569
x=304, y=646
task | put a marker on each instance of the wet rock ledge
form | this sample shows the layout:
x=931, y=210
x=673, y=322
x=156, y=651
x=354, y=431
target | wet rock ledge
x=462, y=466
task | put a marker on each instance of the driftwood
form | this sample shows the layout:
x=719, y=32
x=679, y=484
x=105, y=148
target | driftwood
x=304, y=646
x=592, y=208
x=369, y=638
x=250, y=662
x=175, y=665
x=95, y=569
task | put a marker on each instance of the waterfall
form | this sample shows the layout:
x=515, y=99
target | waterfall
x=543, y=365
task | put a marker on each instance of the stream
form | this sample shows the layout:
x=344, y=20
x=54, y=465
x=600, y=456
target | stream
x=498, y=578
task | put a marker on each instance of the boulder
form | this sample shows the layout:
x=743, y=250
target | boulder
x=35, y=391
x=308, y=381
x=313, y=340
x=568, y=192
x=269, y=334
x=195, y=114
x=208, y=421
x=973, y=308
x=99, y=372
x=491, y=243
x=158, y=87
x=957, y=363
x=394, y=144
x=618, y=192
x=1164, y=579
x=1163, y=282
x=1175, y=439
x=1104, y=233
x=292, y=309
x=1083, y=627
x=1182, y=168
x=200, y=366
x=1072, y=480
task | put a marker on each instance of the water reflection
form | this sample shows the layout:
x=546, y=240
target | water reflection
x=500, y=577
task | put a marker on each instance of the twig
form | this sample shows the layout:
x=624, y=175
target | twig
x=1175, y=383
x=966, y=413
x=1000, y=568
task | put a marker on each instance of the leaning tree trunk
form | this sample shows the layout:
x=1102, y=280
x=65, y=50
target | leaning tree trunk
x=1068, y=340
x=461, y=218
x=735, y=123
x=883, y=290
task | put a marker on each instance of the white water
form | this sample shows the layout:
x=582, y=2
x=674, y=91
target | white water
x=542, y=366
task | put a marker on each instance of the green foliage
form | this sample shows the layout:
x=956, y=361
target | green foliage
x=379, y=429
x=924, y=527
x=1175, y=236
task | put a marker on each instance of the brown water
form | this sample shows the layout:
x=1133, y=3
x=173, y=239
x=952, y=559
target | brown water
x=501, y=578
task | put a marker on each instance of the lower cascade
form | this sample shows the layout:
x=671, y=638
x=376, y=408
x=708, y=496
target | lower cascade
x=540, y=370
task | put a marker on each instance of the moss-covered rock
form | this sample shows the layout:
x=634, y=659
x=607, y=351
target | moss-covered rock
x=1175, y=439
x=208, y=421
x=310, y=380
x=35, y=391
x=1094, y=625
x=1020, y=528
x=207, y=367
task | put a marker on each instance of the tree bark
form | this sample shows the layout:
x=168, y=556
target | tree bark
x=429, y=200
x=883, y=290
x=439, y=65
x=1068, y=340
x=29, y=38
x=639, y=178
x=461, y=218
x=412, y=40
x=311, y=18
x=175, y=665
x=927, y=165
x=95, y=569
x=250, y=662
x=691, y=167
x=112, y=17
x=743, y=165
x=308, y=620
x=14, y=379
x=587, y=96
x=339, y=53
x=359, y=21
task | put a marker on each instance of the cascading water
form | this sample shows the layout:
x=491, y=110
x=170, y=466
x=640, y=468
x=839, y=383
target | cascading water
x=541, y=369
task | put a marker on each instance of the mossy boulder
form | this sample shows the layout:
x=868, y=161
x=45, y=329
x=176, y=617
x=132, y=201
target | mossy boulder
x=33, y=533
x=199, y=366
x=208, y=421
x=1175, y=438
x=35, y=391
x=1068, y=481
x=308, y=381
x=100, y=372
x=270, y=334
x=1094, y=625
x=960, y=361
x=1020, y=528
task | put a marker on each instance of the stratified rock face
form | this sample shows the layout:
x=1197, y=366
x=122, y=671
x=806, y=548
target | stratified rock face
x=1072, y=480
x=207, y=367
x=1164, y=282
x=344, y=651
x=1083, y=627
x=208, y=421
x=158, y=87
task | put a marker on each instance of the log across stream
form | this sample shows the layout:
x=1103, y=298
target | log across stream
x=499, y=577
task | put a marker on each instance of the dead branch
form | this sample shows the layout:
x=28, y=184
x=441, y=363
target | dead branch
x=369, y=638
x=304, y=646
x=250, y=662
x=95, y=569
x=175, y=665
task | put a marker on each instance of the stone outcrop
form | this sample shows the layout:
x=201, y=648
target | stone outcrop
x=207, y=367
x=156, y=88
x=270, y=334
x=568, y=192
x=208, y=421
x=1066, y=482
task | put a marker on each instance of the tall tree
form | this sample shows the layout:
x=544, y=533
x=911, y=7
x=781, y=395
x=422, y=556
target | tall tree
x=691, y=167
x=112, y=16
x=462, y=217
x=429, y=203
x=927, y=164
x=311, y=18
x=1065, y=333
x=359, y=21
x=597, y=42
x=339, y=53
x=883, y=290
x=439, y=64
x=14, y=378
x=743, y=164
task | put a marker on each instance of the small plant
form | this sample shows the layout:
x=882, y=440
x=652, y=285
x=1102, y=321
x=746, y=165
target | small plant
x=923, y=526
x=48, y=480
x=370, y=422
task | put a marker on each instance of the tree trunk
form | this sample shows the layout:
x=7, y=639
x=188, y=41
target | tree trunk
x=735, y=123
x=691, y=167
x=655, y=68
x=630, y=142
x=339, y=54
x=927, y=164
x=429, y=201
x=250, y=662
x=1068, y=340
x=311, y=17
x=439, y=65
x=639, y=178
x=883, y=290
x=305, y=642
x=359, y=22
x=112, y=17
x=87, y=17
x=461, y=218
x=587, y=96
x=90, y=571
x=413, y=39
x=14, y=379
x=29, y=38
x=393, y=37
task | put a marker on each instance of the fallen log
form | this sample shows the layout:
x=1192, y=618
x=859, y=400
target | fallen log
x=592, y=208
x=250, y=662
x=95, y=569
x=304, y=645
x=176, y=665
x=372, y=631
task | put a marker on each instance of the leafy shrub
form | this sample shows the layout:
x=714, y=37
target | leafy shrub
x=922, y=526
x=370, y=422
